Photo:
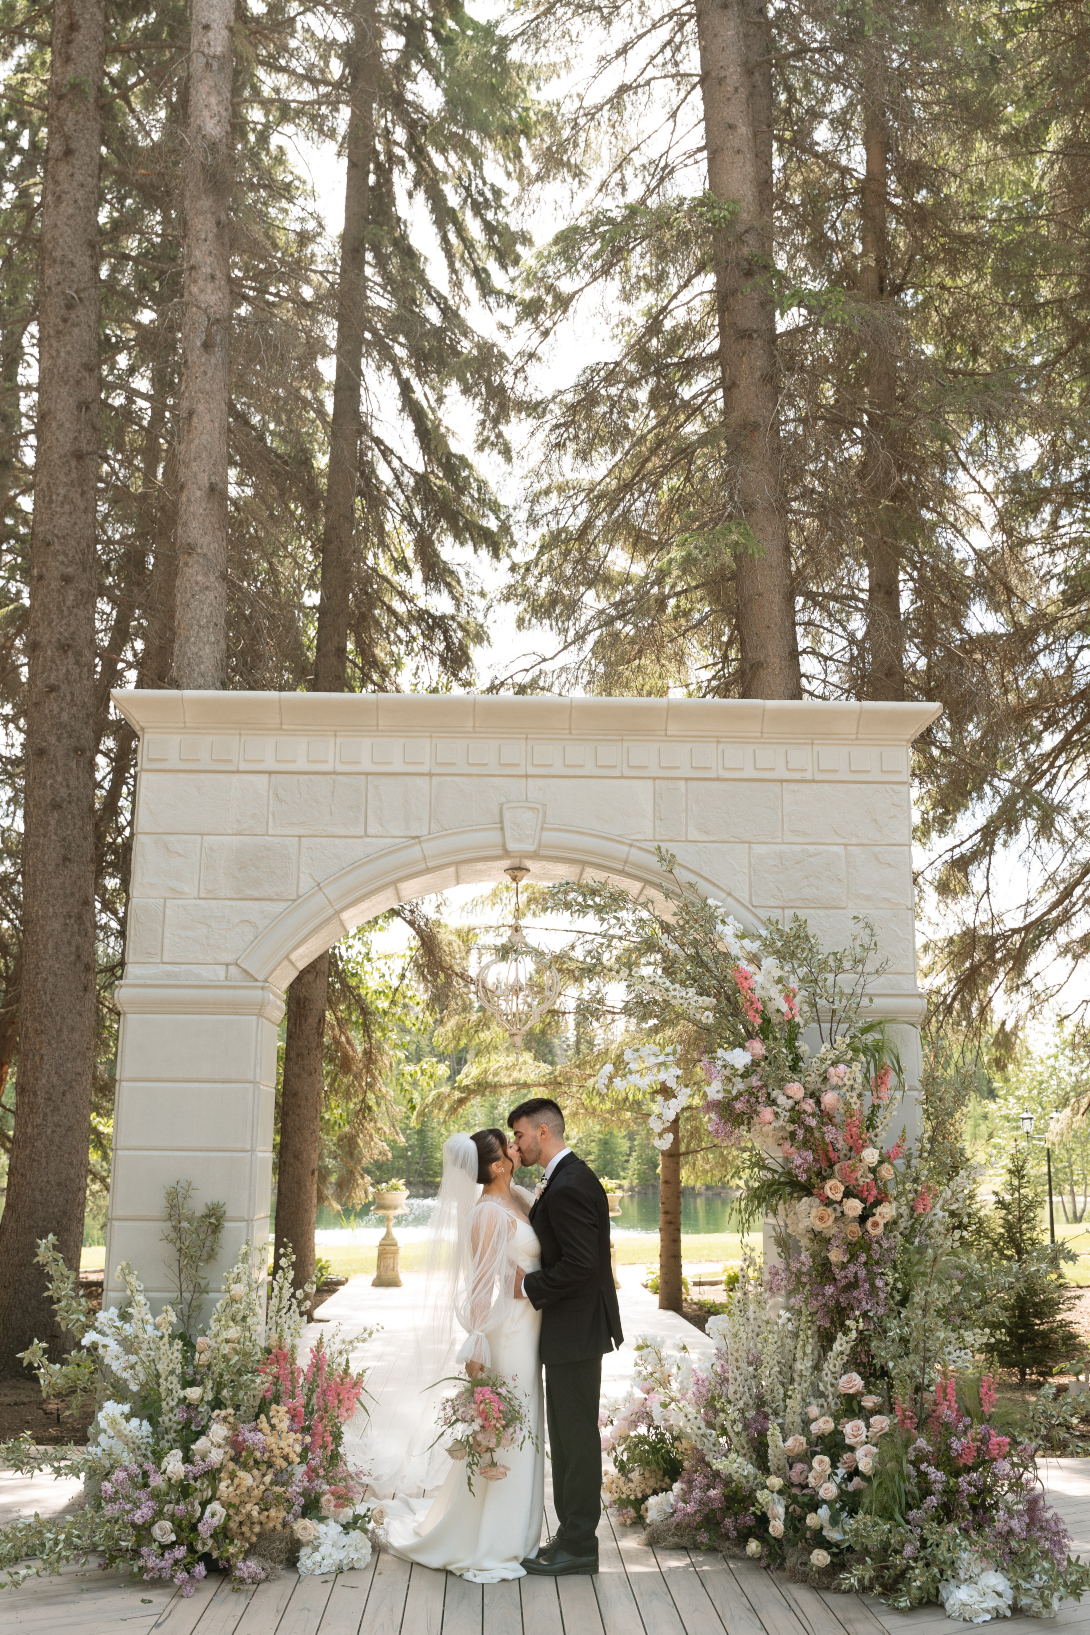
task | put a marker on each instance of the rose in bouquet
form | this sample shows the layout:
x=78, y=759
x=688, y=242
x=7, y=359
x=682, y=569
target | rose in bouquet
x=645, y=1456
x=483, y=1417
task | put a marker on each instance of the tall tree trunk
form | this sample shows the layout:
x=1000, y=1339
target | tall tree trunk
x=736, y=84
x=885, y=632
x=301, y=1091
x=200, y=647
x=670, y=1291
x=301, y=1119
x=47, y=1175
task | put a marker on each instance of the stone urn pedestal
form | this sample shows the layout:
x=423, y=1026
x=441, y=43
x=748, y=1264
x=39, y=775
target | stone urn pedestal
x=388, y=1267
x=614, y=1201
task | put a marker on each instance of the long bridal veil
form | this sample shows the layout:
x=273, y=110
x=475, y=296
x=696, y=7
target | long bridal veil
x=392, y=1441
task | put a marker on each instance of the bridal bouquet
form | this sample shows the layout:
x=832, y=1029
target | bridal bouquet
x=483, y=1417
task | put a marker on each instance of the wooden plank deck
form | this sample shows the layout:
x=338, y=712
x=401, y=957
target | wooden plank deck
x=638, y=1591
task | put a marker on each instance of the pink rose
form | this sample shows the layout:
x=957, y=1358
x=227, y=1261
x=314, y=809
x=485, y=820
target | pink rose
x=855, y=1434
x=798, y=1474
x=850, y=1385
x=830, y=1101
x=755, y=1048
x=834, y=1190
x=848, y=1461
x=837, y=1074
x=795, y=1091
x=879, y=1425
x=822, y=1465
x=828, y=1491
x=765, y=1115
x=794, y=1445
x=821, y=1427
x=806, y=1104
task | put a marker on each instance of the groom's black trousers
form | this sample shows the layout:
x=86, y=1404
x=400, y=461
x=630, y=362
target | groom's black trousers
x=572, y=1391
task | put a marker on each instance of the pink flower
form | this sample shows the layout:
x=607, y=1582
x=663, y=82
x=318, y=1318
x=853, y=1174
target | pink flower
x=806, y=1104
x=988, y=1394
x=765, y=1115
x=794, y=1445
x=755, y=1047
x=795, y=1091
x=828, y=1491
x=821, y=1427
x=798, y=1474
x=855, y=1434
x=837, y=1074
x=830, y=1101
x=880, y=1424
x=834, y=1190
x=848, y=1461
x=850, y=1385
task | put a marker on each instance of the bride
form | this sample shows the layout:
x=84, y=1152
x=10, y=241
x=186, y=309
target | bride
x=481, y=1245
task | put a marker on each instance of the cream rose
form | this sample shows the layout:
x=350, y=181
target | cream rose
x=880, y=1424
x=822, y=1218
x=850, y=1384
x=870, y=1155
x=885, y=1172
x=821, y=1427
x=794, y=1445
x=853, y=1230
x=203, y=1342
x=853, y=1208
x=837, y=1254
x=834, y=1190
x=886, y=1211
x=214, y=1513
x=773, y=1483
x=162, y=1532
x=855, y=1433
x=822, y=1464
x=819, y=1558
x=753, y=1549
x=828, y=1491
x=305, y=1530
x=193, y=1393
x=813, y=1520
x=776, y=1529
x=813, y=1411
x=875, y=1227
x=830, y=1101
x=870, y=1401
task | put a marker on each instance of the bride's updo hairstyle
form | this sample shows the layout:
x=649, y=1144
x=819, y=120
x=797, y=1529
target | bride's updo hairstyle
x=491, y=1145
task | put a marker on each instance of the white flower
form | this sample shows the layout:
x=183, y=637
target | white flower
x=171, y=1466
x=162, y=1532
x=776, y=1529
x=214, y=1513
x=305, y=1530
x=813, y=1520
x=870, y=1155
x=335, y=1550
x=193, y=1393
x=660, y=1506
x=219, y=1431
x=828, y=1491
x=236, y=1291
x=820, y=1558
x=754, y=1548
x=232, y=1335
x=202, y=1447
x=978, y=1593
x=203, y=1342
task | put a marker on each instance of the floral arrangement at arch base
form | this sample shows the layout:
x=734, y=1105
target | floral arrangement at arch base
x=212, y=1448
x=771, y=1450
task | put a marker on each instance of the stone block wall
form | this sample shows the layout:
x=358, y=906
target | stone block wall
x=269, y=825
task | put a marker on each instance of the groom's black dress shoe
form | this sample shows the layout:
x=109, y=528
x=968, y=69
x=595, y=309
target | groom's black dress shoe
x=556, y=1562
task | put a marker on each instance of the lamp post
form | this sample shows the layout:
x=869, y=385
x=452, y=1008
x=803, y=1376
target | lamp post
x=1026, y=1120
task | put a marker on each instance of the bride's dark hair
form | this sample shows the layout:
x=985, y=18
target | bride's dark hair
x=491, y=1145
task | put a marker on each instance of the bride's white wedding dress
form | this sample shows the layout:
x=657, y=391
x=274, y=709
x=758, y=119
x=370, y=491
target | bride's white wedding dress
x=484, y=1535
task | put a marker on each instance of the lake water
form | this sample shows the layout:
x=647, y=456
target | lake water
x=701, y=1212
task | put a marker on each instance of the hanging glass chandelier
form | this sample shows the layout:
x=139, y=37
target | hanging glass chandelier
x=520, y=985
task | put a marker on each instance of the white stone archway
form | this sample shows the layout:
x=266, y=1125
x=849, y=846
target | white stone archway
x=269, y=825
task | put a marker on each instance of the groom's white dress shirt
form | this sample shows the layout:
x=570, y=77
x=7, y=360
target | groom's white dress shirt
x=551, y=1165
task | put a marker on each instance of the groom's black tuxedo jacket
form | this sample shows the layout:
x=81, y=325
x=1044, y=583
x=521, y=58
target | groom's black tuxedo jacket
x=574, y=1289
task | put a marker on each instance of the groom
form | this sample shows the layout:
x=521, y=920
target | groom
x=580, y=1321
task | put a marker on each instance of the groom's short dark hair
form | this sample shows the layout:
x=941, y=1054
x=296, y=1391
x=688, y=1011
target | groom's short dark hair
x=541, y=1108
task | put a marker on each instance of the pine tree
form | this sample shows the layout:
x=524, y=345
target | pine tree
x=47, y=1174
x=1030, y=1333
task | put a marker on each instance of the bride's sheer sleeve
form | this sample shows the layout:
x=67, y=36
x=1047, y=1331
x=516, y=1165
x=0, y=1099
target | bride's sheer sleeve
x=527, y=1194
x=487, y=1293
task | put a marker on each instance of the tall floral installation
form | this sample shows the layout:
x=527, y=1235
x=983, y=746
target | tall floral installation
x=846, y=1426
x=212, y=1446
